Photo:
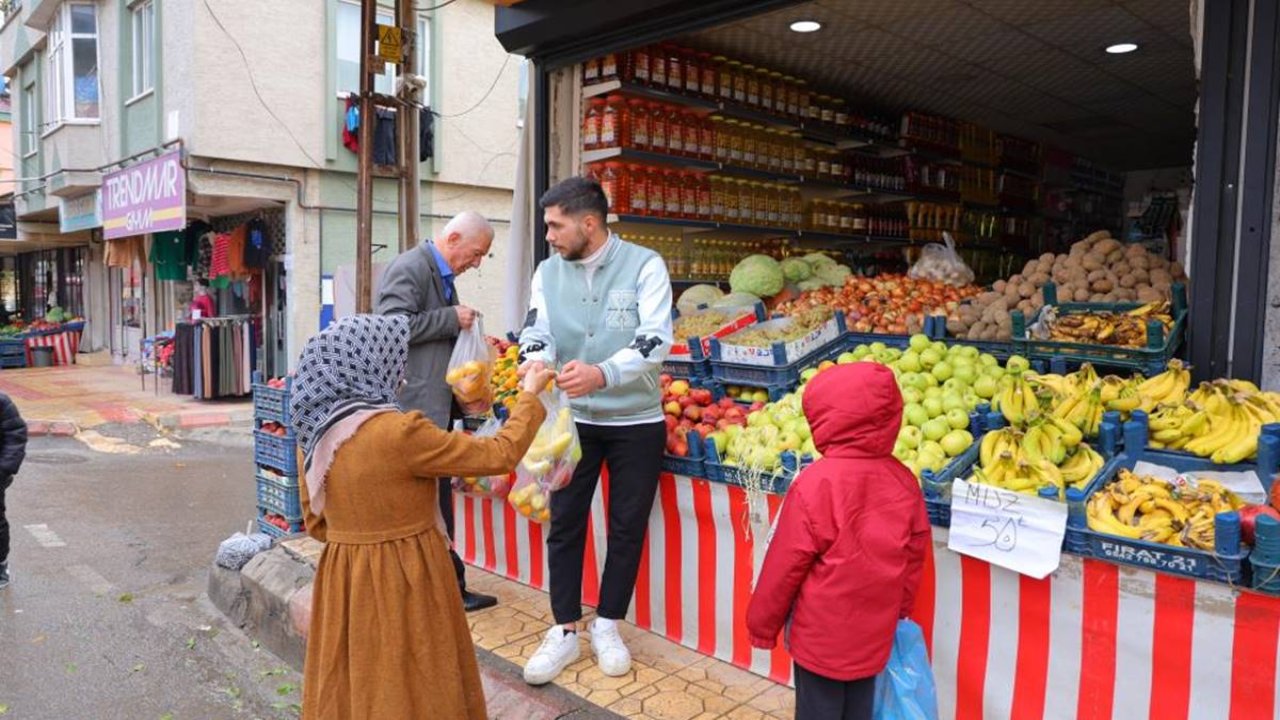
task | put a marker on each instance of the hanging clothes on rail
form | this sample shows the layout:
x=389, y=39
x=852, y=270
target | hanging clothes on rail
x=221, y=358
x=183, y=356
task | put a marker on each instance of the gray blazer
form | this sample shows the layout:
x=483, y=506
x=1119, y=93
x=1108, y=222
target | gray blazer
x=412, y=286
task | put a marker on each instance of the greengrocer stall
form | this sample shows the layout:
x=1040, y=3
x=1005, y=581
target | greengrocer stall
x=969, y=193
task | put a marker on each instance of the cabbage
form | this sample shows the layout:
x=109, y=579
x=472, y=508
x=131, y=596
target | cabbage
x=736, y=300
x=698, y=296
x=758, y=275
x=796, y=270
x=817, y=260
x=833, y=275
x=810, y=285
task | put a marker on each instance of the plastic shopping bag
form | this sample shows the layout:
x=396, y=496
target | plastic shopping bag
x=905, y=690
x=471, y=367
x=549, y=464
x=942, y=263
x=495, y=486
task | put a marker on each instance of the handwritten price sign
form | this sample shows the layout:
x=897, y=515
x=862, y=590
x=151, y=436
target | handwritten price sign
x=1015, y=531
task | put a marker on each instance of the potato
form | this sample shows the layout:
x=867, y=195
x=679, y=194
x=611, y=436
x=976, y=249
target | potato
x=1097, y=275
x=1031, y=267
x=1093, y=261
x=1101, y=286
x=1098, y=236
x=1175, y=269
x=1107, y=245
x=1147, y=295
x=1081, y=295
x=1128, y=281
x=1016, y=280
x=1115, y=256
x=998, y=286
x=1135, y=250
x=1061, y=276
x=1120, y=269
x=1048, y=258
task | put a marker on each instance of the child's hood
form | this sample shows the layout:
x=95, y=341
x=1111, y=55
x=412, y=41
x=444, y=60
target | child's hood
x=854, y=410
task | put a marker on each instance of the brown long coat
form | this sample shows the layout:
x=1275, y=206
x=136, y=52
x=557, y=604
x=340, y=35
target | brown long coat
x=388, y=635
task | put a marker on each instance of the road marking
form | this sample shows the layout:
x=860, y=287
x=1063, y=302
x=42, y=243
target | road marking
x=87, y=575
x=45, y=536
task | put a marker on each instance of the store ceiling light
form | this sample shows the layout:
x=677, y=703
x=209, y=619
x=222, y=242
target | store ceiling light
x=806, y=26
x=1122, y=48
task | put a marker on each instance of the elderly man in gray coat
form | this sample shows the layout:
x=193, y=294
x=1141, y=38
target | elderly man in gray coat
x=419, y=284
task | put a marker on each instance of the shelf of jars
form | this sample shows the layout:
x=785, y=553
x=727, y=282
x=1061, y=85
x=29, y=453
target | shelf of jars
x=687, y=225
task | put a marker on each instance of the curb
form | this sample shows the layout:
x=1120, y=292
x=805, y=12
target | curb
x=51, y=428
x=270, y=600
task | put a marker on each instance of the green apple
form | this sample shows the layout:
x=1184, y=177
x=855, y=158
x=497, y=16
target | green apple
x=987, y=360
x=929, y=380
x=956, y=442
x=1018, y=364
x=910, y=436
x=929, y=358
x=953, y=385
x=916, y=414
x=808, y=374
x=933, y=405
x=954, y=401
x=878, y=347
x=958, y=419
x=808, y=448
x=789, y=441
x=912, y=395
x=721, y=440
x=931, y=447
x=936, y=428
x=892, y=355
x=943, y=371
x=934, y=391
x=910, y=361
x=965, y=372
x=919, y=342
x=846, y=358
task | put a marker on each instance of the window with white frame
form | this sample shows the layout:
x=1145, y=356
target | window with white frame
x=143, y=20
x=73, y=88
x=29, y=131
x=348, y=47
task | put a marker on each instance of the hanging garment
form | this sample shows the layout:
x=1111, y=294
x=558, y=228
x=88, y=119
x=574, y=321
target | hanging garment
x=220, y=266
x=169, y=253
x=125, y=252
x=426, y=134
x=197, y=361
x=183, y=359
x=384, y=138
x=204, y=255
x=351, y=125
x=257, y=247
x=236, y=241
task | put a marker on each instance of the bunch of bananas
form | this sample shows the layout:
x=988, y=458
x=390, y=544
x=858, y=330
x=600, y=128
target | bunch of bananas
x=1128, y=329
x=1147, y=508
x=1082, y=397
x=1016, y=400
x=1169, y=387
x=1050, y=453
x=1221, y=420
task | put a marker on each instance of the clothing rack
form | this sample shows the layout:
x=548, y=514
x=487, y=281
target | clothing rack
x=217, y=357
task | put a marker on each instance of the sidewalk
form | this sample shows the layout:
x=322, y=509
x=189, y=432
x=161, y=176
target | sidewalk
x=63, y=400
x=271, y=600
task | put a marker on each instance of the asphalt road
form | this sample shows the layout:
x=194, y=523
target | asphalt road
x=106, y=617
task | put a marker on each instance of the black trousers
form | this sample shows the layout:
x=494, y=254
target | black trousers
x=4, y=521
x=821, y=698
x=445, y=494
x=633, y=454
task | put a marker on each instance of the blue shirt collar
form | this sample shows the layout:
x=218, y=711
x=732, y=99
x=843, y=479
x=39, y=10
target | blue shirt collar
x=446, y=272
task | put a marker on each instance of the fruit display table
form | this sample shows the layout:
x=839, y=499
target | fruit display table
x=1092, y=640
x=64, y=339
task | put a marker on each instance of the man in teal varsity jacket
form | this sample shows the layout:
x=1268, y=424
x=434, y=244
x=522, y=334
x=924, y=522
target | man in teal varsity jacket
x=600, y=312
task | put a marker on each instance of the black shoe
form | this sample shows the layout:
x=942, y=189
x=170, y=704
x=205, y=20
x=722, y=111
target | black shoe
x=475, y=601
x=4, y=574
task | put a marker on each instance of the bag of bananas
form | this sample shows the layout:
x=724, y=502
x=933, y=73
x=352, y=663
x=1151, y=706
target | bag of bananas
x=1146, y=508
x=1050, y=453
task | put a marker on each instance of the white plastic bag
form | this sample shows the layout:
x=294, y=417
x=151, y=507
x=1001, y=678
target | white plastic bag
x=942, y=263
x=549, y=464
x=494, y=486
x=471, y=368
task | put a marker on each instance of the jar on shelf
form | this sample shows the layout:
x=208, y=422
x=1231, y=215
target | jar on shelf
x=675, y=67
x=672, y=192
x=773, y=205
x=738, y=71
x=720, y=135
x=839, y=170
x=655, y=192
x=658, y=127
x=776, y=79
x=736, y=142
x=591, y=124
x=797, y=207
x=847, y=211
x=710, y=74
x=803, y=100
x=612, y=121
x=675, y=130
x=724, y=78
x=749, y=145
x=768, y=150
x=612, y=182
x=760, y=198
x=638, y=189
x=591, y=71
x=689, y=195
x=841, y=113
x=638, y=116
x=766, y=90
x=692, y=73
x=746, y=203
x=609, y=67
x=657, y=67
x=642, y=64
x=790, y=99
x=827, y=107
x=823, y=159
x=706, y=138
x=717, y=198
x=752, y=78
x=704, y=197
x=859, y=219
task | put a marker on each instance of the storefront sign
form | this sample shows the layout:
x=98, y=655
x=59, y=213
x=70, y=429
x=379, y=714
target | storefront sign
x=1014, y=531
x=8, y=222
x=82, y=212
x=145, y=198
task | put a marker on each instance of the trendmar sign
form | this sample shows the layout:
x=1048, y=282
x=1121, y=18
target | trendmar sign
x=145, y=198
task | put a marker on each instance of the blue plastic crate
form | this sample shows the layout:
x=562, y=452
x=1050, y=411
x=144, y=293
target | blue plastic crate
x=277, y=453
x=271, y=404
x=1265, y=577
x=781, y=364
x=274, y=531
x=279, y=493
x=777, y=484
x=690, y=466
x=937, y=486
x=1224, y=567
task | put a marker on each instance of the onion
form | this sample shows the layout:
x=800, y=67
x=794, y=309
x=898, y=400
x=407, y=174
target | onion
x=1249, y=520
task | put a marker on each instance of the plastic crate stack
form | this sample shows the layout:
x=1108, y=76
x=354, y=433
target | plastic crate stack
x=275, y=459
x=13, y=354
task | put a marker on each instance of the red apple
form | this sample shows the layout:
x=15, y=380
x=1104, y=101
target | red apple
x=672, y=408
x=665, y=379
x=693, y=412
x=686, y=401
x=671, y=422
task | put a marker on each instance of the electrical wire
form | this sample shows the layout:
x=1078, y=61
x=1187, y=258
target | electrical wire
x=437, y=7
x=487, y=93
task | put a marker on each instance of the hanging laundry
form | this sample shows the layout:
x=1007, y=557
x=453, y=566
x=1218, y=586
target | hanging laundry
x=257, y=249
x=384, y=138
x=426, y=134
x=351, y=125
x=125, y=252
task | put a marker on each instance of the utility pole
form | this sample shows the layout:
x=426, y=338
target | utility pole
x=407, y=125
x=364, y=170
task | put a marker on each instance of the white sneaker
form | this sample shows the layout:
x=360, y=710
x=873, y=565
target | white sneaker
x=558, y=651
x=611, y=653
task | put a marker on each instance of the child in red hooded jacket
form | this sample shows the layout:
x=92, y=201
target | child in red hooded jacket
x=845, y=558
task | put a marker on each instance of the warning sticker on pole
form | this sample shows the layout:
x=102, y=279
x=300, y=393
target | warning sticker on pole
x=389, y=43
x=1012, y=530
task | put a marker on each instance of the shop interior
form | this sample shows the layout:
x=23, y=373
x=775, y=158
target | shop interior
x=867, y=129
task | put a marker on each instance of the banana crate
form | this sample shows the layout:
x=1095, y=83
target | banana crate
x=1160, y=348
x=1227, y=562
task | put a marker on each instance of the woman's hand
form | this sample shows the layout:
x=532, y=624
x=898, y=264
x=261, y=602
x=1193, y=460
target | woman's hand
x=536, y=379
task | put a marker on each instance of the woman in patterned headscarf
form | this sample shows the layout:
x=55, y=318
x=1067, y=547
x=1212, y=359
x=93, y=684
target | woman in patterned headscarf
x=388, y=638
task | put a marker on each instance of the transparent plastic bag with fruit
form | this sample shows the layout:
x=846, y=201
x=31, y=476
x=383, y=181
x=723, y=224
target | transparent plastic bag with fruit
x=471, y=368
x=942, y=263
x=549, y=464
x=494, y=486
